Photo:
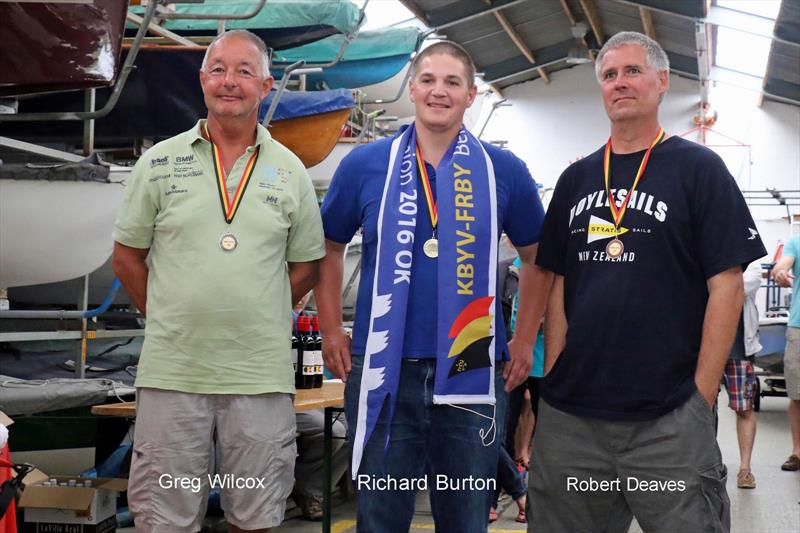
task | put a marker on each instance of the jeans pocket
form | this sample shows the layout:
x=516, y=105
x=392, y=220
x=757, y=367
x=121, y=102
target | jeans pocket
x=712, y=486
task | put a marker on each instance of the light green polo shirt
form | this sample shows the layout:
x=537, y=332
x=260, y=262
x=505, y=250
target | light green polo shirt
x=219, y=322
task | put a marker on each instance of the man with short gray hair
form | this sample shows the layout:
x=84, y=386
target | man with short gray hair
x=218, y=234
x=647, y=238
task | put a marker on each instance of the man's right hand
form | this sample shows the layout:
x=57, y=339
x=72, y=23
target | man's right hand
x=336, y=353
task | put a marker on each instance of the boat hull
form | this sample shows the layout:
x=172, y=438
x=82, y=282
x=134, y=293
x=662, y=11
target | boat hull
x=59, y=46
x=54, y=231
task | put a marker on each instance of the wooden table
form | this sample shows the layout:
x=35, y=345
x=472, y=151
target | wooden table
x=330, y=398
x=330, y=395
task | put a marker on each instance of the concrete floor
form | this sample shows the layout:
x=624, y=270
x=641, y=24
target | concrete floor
x=773, y=507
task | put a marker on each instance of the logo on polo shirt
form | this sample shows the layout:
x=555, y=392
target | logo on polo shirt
x=173, y=189
x=271, y=200
x=159, y=161
x=273, y=178
x=184, y=159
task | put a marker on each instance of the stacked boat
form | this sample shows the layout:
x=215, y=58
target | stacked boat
x=53, y=228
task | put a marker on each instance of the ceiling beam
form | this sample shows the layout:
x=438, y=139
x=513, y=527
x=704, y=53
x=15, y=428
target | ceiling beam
x=593, y=16
x=724, y=17
x=517, y=40
x=458, y=12
x=647, y=22
x=568, y=12
x=548, y=55
x=573, y=21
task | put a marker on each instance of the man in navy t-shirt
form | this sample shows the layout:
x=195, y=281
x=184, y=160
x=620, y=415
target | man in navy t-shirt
x=421, y=441
x=647, y=238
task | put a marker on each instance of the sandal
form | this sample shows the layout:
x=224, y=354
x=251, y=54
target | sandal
x=521, y=518
x=493, y=515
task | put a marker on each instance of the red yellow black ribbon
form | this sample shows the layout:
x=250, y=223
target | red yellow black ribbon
x=230, y=205
x=426, y=185
x=618, y=212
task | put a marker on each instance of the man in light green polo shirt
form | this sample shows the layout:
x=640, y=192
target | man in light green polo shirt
x=219, y=233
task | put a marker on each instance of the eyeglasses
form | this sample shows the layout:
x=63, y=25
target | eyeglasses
x=241, y=73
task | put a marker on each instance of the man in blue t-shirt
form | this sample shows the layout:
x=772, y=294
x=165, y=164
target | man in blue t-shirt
x=647, y=238
x=786, y=271
x=420, y=440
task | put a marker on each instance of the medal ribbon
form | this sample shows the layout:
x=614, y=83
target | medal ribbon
x=618, y=213
x=230, y=206
x=426, y=186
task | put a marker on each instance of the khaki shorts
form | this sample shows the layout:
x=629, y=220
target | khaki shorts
x=791, y=363
x=172, y=468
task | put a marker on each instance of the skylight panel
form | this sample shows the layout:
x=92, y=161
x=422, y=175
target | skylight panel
x=742, y=52
x=763, y=8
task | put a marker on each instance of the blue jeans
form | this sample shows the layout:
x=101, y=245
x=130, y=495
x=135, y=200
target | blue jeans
x=437, y=443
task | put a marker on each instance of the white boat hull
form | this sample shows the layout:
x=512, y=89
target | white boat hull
x=53, y=231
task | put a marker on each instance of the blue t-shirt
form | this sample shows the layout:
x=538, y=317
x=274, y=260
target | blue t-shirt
x=792, y=248
x=537, y=369
x=353, y=201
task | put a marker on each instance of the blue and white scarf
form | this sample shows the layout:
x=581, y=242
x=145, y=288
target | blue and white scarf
x=467, y=277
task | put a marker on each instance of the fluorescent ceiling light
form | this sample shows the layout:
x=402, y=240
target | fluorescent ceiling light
x=742, y=52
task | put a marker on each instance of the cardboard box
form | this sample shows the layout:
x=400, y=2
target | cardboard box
x=109, y=525
x=72, y=509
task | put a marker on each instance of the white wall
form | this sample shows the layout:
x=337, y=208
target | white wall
x=550, y=125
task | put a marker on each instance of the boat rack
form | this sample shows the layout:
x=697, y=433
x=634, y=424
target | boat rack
x=84, y=335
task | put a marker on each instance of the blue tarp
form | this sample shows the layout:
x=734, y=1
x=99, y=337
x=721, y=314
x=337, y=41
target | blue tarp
x=295, y=104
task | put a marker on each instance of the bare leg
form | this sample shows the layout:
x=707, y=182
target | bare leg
x=524, y=431
x=794, y=424
x=746, y=433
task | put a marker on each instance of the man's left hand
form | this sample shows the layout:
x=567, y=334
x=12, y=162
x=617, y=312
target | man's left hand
x=519, y=367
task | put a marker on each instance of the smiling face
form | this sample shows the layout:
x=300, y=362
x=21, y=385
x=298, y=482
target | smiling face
x=233, y=80
x=631, y=88
x=441, y=92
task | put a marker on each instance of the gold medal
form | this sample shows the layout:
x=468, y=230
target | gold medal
x=431, y=248
x=228, y=242
x=615, y=248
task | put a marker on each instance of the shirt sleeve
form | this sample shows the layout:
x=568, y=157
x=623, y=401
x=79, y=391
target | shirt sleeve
x=136, y=219
x=340, y=210
x=305, y=242
x=522, y=221
x=725, y=234
x=553, y=243
x=792, y=247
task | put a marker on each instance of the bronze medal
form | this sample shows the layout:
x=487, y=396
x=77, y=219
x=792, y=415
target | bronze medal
x=615, y=248
x=228, y=242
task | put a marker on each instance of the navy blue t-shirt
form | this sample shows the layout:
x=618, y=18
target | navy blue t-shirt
x=635, y=324
x=353, y=201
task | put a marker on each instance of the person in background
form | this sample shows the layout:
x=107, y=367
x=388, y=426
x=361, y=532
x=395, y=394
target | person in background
x=785, y=272
x=739, y=378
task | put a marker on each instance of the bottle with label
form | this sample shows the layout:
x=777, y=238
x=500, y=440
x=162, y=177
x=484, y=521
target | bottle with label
x=318, y=361
x=306, y=353
x=296, y=348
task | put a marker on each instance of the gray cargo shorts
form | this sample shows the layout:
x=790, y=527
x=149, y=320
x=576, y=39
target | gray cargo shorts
x=594, y=475
x=172, y=467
